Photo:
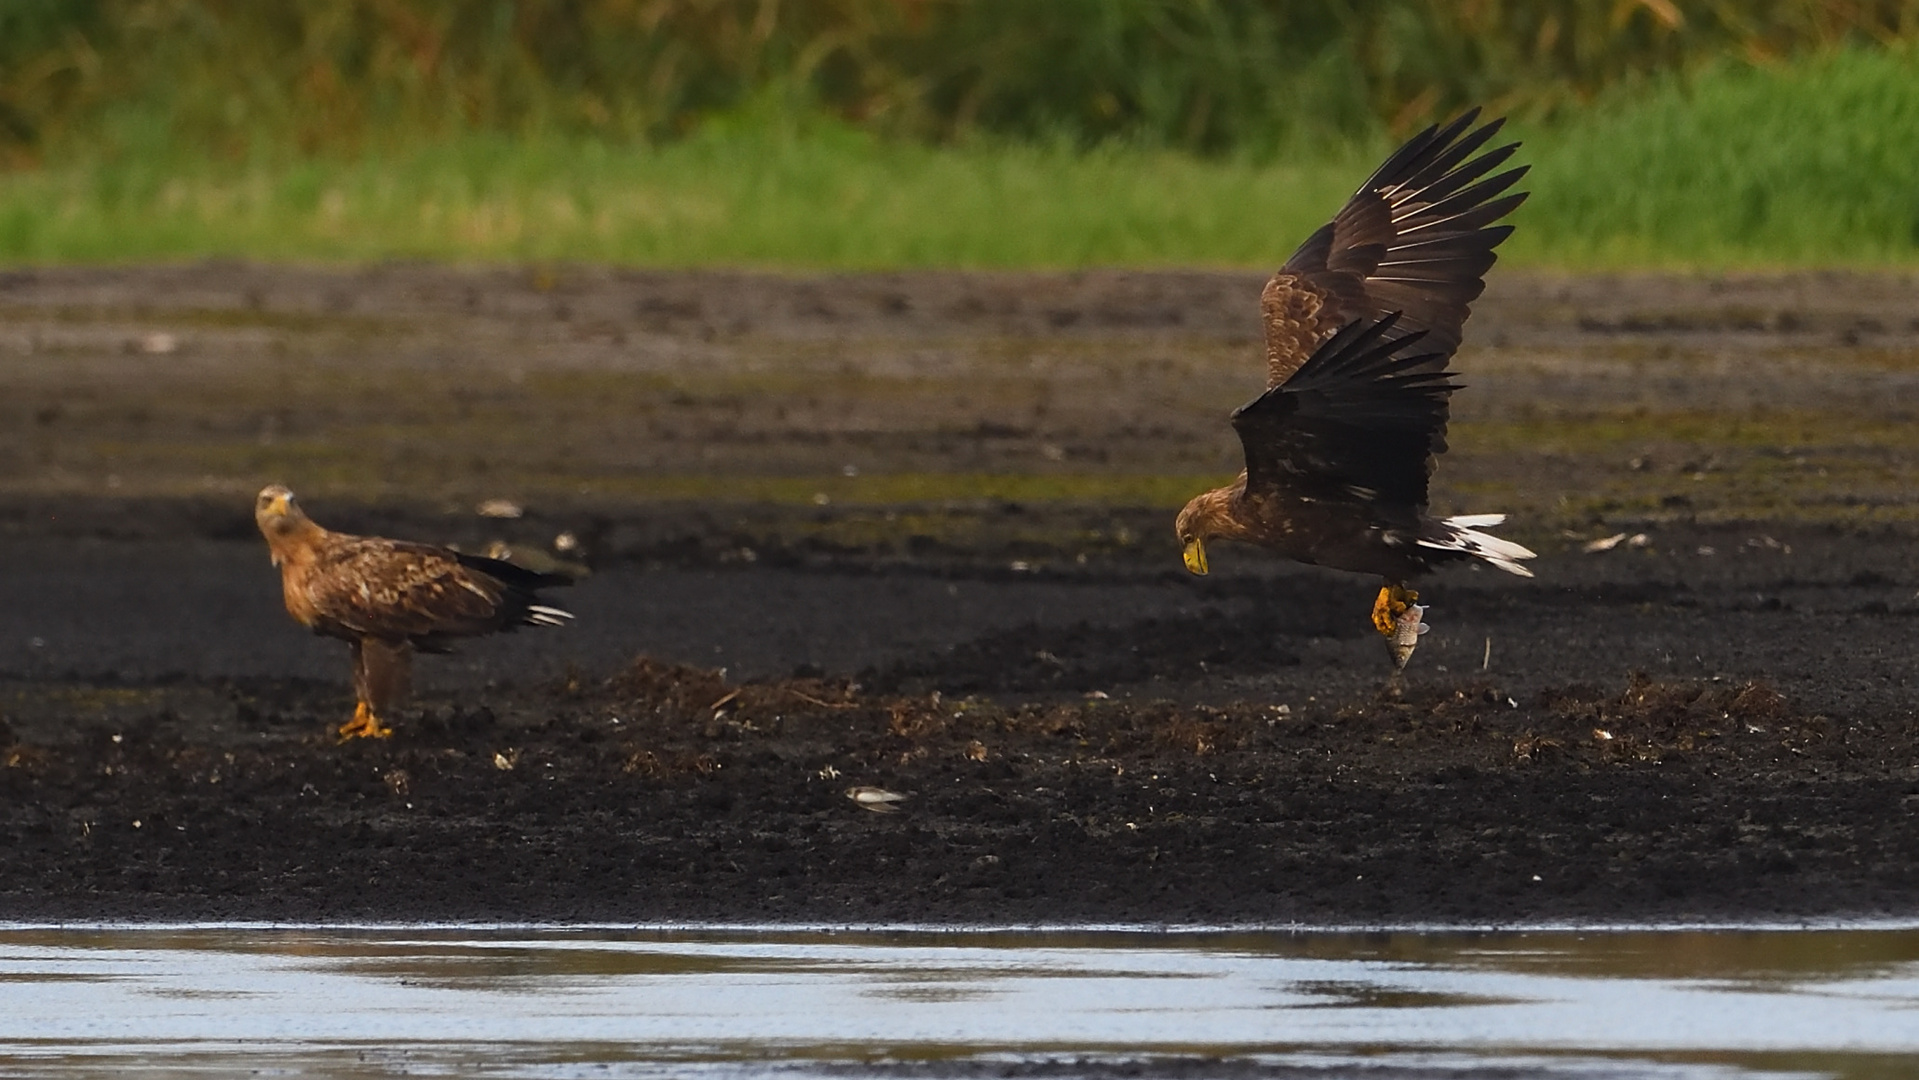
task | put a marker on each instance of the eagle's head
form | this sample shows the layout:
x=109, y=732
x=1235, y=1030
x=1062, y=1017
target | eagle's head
x=1208, y=515
x=1192, y=535
x=279, y=517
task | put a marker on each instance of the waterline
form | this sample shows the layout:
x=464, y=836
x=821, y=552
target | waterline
x=520, y=1001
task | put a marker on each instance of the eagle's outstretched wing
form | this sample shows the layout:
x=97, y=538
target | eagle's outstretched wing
x=1416, y=238
x=1359, y=422
x=373, y=587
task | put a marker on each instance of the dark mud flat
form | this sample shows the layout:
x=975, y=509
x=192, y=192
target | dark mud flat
x=1713, y=719
x=1658, y=734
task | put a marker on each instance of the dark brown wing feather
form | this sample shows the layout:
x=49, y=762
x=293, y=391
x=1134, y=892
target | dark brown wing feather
x=1416, y=238
x=370, y=587
x=1359, y=423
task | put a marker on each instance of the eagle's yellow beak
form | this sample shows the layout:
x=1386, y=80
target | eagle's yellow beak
x=1196, y=556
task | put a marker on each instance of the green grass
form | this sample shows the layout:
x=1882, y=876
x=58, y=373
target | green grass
x=1816, y=164
x=1812, y=164
x=827, y=201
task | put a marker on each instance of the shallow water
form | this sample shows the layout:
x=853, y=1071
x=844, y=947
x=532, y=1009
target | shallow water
x=552, y=1002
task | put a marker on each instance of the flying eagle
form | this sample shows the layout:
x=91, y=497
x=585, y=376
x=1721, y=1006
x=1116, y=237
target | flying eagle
x=1360, y=325
x=389, y=599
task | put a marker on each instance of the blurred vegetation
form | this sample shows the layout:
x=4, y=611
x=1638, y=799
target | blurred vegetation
x=241, y=77
x=866, y=133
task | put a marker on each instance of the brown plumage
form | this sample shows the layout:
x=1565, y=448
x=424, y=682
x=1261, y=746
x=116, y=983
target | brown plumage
x=390, y=599
x=1360, y=325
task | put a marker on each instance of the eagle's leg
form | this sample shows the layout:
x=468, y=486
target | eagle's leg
x=1396, y=615
x=371, y=689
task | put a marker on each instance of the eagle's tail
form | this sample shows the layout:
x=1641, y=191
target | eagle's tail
x=541, y=615
x=1462, y=534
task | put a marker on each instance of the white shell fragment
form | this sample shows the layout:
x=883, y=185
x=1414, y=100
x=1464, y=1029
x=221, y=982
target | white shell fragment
x=878, y=800
x=1607, y=543
x=1406, y=631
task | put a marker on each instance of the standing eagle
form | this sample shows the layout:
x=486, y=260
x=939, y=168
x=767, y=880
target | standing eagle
x=390, y=599
x=1360, y=325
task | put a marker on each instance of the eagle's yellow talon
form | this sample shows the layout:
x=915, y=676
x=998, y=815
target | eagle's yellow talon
x=364, y=725
x=1393, y=602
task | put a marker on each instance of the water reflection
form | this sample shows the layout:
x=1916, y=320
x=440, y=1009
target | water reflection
x=607, y=1002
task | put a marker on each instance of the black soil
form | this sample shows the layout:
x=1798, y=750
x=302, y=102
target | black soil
x=1713, y=721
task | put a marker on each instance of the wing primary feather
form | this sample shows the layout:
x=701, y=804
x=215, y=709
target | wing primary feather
x=1408, y=157
x=1470, y=197
x=1475, y=217
x=1449, y=156
x=1459, y=177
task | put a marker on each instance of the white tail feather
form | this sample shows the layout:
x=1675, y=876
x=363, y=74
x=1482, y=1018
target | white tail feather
x=540, y=615
x=1462, y=535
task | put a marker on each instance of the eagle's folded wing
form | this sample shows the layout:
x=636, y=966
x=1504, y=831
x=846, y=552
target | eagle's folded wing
x=391, y=589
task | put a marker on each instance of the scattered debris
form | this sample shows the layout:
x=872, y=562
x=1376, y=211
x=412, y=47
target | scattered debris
x=532, y=558
x=500, y=508
x=878, y=800
x=1607, y=543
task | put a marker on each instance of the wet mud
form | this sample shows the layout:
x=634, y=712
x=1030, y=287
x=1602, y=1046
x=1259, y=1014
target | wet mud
x=912, y=533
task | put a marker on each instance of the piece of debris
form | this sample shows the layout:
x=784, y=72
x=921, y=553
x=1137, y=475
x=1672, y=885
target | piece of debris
x=158, y=343
x=828, y=773
x=532, y=558
x=1638, y=540
x=1602, y=734
x=1604, y=543
x=504, y=760
x=566, y=543
x=976, y=750
x=878, y=800
x=500, y=508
